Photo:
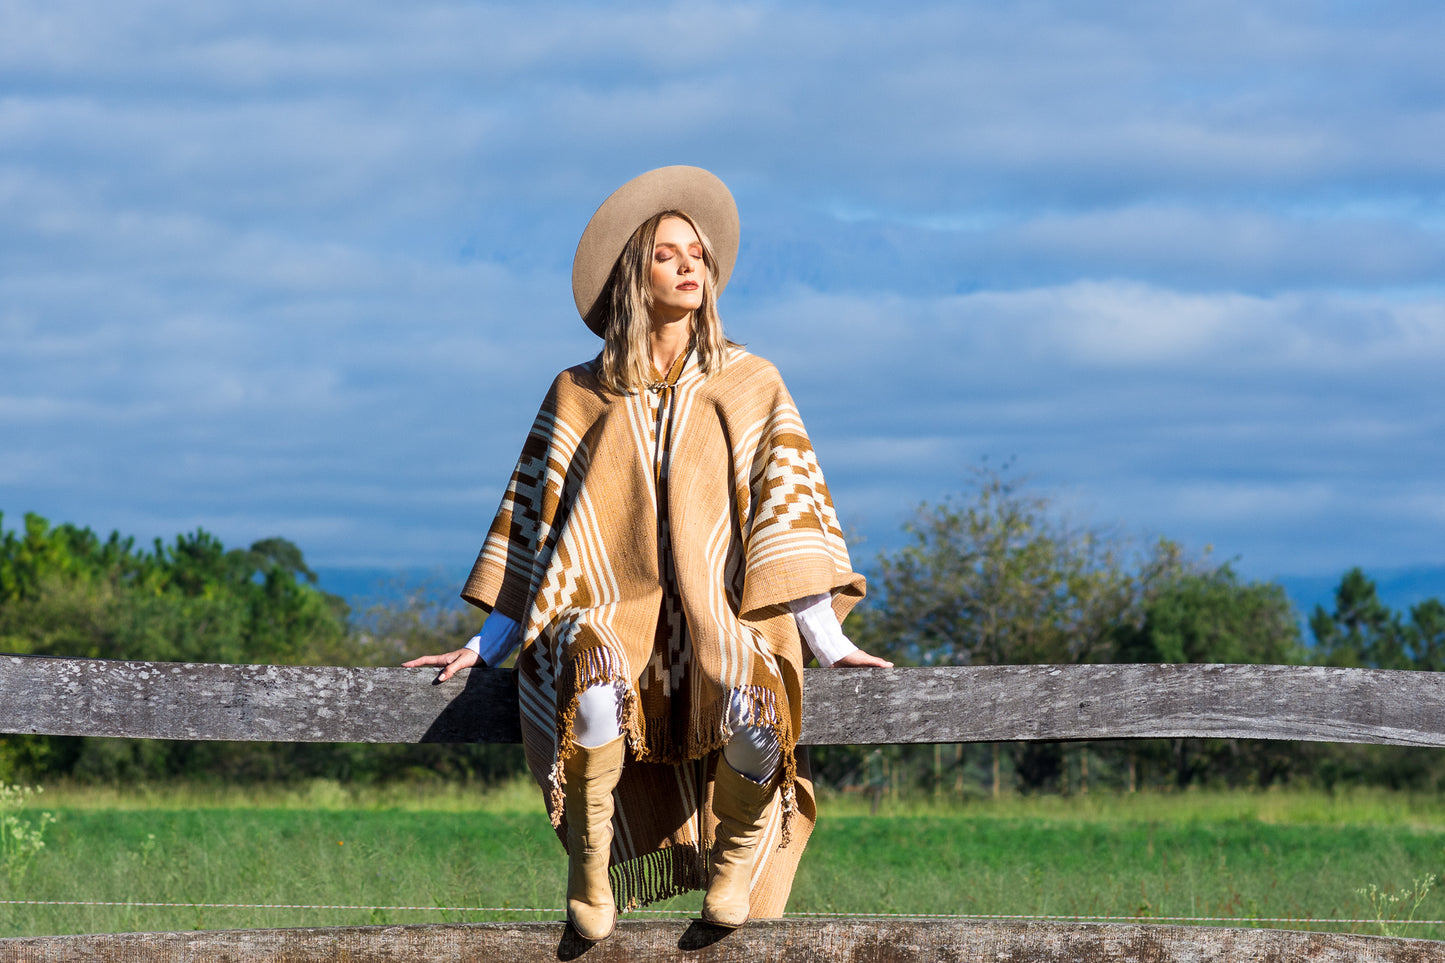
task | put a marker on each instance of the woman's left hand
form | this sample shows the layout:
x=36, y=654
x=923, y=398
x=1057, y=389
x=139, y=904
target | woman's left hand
x=451, y=662
x=860, y=658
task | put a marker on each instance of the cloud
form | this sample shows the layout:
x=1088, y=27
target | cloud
x=1219, y=419
x=302, y=270
x=1107, y=326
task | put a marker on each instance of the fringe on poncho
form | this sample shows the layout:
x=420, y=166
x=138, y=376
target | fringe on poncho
x=651, y=541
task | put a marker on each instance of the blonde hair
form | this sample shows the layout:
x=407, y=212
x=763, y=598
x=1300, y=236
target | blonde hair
x=621, y=312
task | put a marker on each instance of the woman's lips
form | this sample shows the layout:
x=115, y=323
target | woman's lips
x=687, y=286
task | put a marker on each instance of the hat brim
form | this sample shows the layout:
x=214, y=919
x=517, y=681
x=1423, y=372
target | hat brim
x=692, y=190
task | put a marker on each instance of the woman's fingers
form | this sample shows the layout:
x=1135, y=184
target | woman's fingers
x=860, y=658
x=430, y=660
x=461, y=659
x=453, y=662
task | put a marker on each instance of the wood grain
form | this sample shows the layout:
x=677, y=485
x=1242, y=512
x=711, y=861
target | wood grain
x=793, y=941
x=164, y=700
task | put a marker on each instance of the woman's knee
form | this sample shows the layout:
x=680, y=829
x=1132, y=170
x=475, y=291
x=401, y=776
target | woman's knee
x=753, y=751
x=598, y=719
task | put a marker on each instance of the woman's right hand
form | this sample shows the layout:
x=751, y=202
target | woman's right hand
x=452, y=662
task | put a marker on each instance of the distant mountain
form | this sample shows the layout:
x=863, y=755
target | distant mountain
x=363, y=587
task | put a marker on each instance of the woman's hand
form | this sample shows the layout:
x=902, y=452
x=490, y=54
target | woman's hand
x=453, y=662
x=860, y=658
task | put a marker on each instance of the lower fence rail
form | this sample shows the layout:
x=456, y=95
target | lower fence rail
x=785, y=941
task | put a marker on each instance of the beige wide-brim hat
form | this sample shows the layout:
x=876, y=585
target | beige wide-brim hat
x=692, y=190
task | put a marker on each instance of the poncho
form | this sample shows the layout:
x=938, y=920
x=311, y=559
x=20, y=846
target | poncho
x=652, y=540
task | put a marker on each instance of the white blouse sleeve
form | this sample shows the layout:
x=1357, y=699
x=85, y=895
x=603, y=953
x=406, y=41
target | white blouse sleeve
x=496, y=640
x=820, y=629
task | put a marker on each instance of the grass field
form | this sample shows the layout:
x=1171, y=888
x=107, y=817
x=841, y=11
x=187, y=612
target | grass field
x=1241, y=855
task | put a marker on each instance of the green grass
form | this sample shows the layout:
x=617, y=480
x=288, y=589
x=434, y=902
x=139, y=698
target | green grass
x=1243, y=855
x=518, y=796
x=1353, y=807
x=1002, y=866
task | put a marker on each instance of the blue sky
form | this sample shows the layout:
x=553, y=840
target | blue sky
x=302, y=268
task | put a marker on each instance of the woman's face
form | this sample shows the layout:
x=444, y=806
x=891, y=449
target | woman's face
x=678, y=272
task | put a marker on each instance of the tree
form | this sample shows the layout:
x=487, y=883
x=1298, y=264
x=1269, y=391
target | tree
x=1426, y=635
x=66, y=592
x=1208, y=615
x=1361, y=632
x=1000, y=580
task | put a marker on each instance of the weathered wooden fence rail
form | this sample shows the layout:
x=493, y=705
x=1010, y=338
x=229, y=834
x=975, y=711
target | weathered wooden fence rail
x=153, y=700
x=762, y=941
x=1006, y=703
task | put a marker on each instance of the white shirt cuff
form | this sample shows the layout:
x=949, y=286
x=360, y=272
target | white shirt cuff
x=496, y=640
x=820, y=629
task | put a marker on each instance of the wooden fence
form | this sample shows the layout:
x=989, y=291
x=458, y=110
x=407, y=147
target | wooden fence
x=153, y=700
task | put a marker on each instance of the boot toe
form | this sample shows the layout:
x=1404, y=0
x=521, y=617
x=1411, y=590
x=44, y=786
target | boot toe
x=594, y=923
x=725, y=913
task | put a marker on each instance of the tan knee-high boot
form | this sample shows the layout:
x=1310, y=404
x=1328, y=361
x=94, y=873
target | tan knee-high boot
x=591, y=775
x=741, y=806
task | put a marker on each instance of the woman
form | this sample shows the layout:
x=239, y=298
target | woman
x=665, y=543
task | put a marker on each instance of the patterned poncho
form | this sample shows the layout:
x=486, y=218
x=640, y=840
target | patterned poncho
x=652, y=541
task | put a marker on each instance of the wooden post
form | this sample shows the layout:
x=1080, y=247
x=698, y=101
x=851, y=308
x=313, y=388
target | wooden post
x=877, y=779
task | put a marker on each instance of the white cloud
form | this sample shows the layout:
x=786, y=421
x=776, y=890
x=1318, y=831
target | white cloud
x=1255, y=424
x=301, y=269
x=1108, y=326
